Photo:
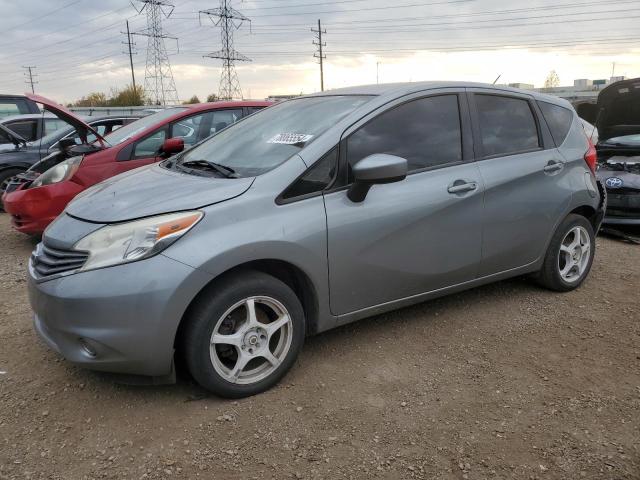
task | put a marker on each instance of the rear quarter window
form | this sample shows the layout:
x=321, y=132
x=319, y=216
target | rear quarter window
x=558, y=119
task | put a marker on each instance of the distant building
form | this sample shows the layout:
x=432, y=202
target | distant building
x=523, y=86
x=582, y=83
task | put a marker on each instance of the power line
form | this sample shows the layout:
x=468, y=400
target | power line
x=39, y=17
x=159, y=86
x=319, y=55
x=229, y=19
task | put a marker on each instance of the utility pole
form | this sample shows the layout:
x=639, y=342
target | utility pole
x=319, y=55
x=29, y=76
x=229, y=19
x=377, y=73
x=130, y=45
x=159, y=86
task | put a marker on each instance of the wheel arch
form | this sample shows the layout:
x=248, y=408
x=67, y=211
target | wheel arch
x=291, y=275
x=588, y=212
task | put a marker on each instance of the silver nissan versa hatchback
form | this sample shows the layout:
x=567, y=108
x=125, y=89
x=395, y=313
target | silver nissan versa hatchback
x=310, y=214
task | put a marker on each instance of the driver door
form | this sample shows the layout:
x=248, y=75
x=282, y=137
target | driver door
x=416, y=235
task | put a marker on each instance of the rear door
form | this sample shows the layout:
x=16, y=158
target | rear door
x=524, y=175
x=413, y=236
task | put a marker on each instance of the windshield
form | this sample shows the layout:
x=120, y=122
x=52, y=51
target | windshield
x=630, y=140
x=53, y=136
x=266, y=139
x=127, y=131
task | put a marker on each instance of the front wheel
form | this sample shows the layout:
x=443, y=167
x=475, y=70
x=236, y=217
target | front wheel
x=569, y=256
x=243, y=334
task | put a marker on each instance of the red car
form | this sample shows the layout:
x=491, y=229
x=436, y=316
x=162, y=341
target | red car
x=35, y=200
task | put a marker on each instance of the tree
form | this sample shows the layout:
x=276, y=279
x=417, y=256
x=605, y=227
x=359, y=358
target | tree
x=552, y=80
x=95, y=99
x=212, y=97
x=192, y=100
x=128, y=97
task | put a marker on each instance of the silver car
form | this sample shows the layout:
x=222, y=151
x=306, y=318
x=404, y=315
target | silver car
x=311, y=214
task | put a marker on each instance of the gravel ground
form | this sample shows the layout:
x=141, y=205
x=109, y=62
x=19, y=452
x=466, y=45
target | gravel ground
x=504, y=381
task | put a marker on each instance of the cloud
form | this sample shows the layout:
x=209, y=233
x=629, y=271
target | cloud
x=76, y=45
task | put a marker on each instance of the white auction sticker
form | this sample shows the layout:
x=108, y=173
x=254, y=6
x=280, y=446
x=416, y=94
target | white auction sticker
x=290, y=138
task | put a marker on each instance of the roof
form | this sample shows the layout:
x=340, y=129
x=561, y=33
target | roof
x=225, y=104
x=27, y=116
x=400, y=89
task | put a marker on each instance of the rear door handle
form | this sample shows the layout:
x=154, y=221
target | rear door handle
x=462, y=186
x=553, y=166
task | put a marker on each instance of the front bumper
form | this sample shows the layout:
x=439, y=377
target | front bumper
x=623, y=208
x=121, y=319
x=33, y=209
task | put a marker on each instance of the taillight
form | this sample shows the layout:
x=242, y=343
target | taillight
x=591, y=157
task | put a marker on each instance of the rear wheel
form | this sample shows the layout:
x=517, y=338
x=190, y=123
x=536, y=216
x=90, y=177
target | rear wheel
x=243, y=335
x=569, y=256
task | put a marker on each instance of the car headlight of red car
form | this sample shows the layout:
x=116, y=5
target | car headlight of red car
x=58, y=173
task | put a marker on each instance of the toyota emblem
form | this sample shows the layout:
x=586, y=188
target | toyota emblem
x=613, y=182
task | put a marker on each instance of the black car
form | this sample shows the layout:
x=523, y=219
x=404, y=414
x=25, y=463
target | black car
x=618, y=123
x=32, y=126
x=17, y=156
x=16, y=105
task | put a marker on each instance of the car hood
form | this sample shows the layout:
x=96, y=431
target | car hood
x=618, y=109
x=152, y=190
x=61, y=112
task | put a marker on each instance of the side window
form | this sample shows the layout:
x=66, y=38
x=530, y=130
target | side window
x=100, y=128
x=507, y=125
x=559, y=120
x=53, y=124
x=26, y=129
x=13, y=107
x=223, y=118
x=316, y=178
x=426, y=132
x=191, y=129
x=150, y=145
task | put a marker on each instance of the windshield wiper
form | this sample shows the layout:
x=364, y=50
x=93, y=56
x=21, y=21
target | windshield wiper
x=226, y=172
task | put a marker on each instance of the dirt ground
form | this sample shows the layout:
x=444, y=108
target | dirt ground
x=505, y=381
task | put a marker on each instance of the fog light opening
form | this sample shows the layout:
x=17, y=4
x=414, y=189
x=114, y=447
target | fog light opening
x=87, y=348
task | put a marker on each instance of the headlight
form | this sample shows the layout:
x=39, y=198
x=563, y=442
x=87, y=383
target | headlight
x=127, y=242
x=62, y=171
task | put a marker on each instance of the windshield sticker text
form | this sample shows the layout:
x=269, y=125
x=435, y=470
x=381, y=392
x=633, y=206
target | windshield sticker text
x=290, y=138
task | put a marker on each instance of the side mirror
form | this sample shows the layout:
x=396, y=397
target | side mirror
x=376, y=168
x=66, y=143
x=172, y=146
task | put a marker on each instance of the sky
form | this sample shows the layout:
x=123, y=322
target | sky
x=77, y=46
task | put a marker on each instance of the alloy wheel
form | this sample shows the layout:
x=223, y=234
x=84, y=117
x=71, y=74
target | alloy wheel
x=575, y=252
x=251, y=340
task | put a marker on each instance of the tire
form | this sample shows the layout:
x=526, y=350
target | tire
x=224, y=308
x=5, y=175
x=572, y=259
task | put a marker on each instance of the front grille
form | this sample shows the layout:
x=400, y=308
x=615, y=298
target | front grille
x=25, y=178
x=625, y=213
x=47, y=261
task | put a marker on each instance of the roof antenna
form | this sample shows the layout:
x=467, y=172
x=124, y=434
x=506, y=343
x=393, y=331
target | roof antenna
x=497, y=78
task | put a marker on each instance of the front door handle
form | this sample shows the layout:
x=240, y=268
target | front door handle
x=462, y=186
x=553, y=166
